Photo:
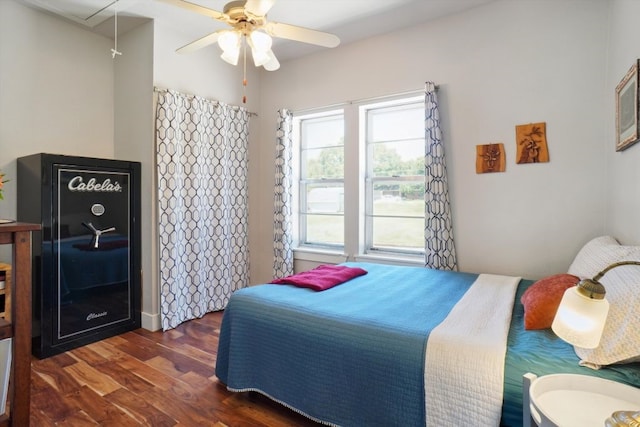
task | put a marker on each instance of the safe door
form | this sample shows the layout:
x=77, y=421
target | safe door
x=92, y=250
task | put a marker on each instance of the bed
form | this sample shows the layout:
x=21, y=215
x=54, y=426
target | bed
x=355, y=354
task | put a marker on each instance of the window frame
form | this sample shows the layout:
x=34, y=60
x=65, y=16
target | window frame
x=357, y=237
x=369, y=247
x=304, y=183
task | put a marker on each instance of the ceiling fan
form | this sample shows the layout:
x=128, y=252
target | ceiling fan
x=249, y=25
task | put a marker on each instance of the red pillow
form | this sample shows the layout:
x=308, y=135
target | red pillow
x=542, y=299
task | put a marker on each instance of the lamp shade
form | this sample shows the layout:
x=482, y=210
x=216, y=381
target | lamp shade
x=580, y=319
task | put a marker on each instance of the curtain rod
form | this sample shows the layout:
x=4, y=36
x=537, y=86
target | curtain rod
x=157, y=89
x=361, y=100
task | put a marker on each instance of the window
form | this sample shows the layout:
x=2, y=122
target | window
x=394, y=191
x=321, y=189
x=376, y=204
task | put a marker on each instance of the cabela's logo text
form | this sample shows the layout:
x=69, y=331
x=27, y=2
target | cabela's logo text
x=78, y=184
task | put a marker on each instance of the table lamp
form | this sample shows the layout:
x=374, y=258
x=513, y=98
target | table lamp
x=580, y=320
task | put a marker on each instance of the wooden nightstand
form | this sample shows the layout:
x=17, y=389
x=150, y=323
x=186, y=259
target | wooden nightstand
x=574, y=400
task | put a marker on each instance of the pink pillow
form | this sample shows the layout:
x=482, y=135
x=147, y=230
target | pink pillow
x=542, y=299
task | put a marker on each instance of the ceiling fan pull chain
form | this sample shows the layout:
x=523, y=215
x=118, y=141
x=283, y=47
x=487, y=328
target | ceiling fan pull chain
x=114, y=51
x=244, y=71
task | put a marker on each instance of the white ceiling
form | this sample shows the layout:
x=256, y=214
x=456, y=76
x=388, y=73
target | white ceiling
x=350, y=20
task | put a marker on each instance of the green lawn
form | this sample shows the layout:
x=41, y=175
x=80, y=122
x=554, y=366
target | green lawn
x=393, y=232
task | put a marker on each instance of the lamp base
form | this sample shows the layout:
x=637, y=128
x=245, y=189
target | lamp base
x=623, y=419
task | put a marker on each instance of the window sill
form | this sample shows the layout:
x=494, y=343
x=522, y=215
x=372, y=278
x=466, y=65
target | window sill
x=391, y=259
x=319, y=255
x=337, y=257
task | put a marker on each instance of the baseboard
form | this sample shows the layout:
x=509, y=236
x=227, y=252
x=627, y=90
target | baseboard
x=151, y=322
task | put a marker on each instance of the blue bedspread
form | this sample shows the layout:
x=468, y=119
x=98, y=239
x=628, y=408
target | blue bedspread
x=352, y=355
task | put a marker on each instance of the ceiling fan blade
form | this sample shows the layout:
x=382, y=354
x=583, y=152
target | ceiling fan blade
x=258, y=7
x=301, y=34
x=200, y=43
x=197, y=8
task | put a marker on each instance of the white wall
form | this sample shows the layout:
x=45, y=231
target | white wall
x=56, y=91
x=134, y=139
x=623, y=168
x=497, y=66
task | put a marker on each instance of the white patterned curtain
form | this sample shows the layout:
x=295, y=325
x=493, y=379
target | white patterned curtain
x=440, y=251
x=202, y=204
x=283, y=200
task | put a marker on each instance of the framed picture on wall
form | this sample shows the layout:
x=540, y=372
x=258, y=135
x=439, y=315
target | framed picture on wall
x=627, y=109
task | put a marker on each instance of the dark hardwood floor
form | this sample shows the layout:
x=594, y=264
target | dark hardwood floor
x=148, y=378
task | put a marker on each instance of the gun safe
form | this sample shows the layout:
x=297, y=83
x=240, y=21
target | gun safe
x=86, y=272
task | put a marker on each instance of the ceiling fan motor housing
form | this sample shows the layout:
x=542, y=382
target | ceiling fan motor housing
x=237, y=13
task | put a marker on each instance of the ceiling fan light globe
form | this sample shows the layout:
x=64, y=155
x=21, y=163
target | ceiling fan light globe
x=231, y=57
x=272, y=64
x=260, y=41
x=259, y=58
x=229, y=41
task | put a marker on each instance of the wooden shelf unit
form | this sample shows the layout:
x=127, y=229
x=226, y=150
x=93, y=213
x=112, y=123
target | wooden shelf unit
x=5, y=276
x=18, y=324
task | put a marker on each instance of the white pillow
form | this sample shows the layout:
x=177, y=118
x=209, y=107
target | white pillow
x=600, y=253
x=620, y=341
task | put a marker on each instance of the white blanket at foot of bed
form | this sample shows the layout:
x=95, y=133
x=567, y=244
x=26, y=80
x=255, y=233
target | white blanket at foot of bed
x=464, y=364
